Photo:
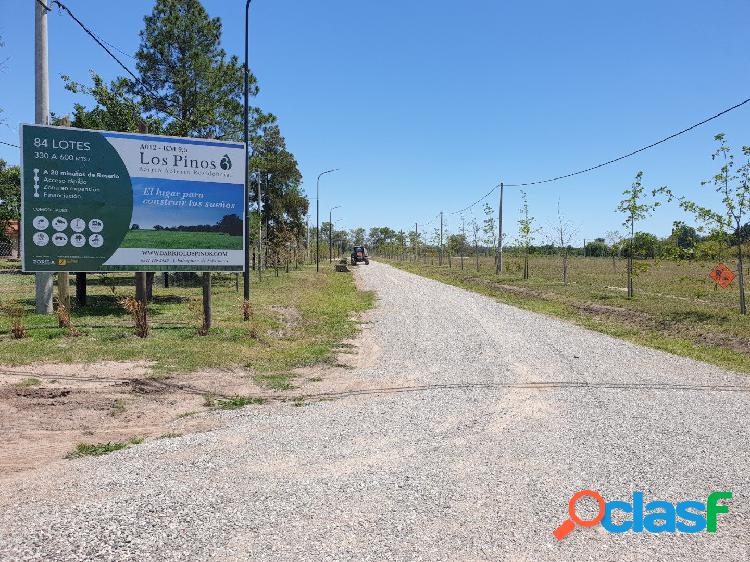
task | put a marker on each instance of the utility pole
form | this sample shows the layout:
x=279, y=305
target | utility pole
x=330, y=235
x=463, y=240
x=441, y=238
x=44, y=281
x=416, y=242
x=499, y=260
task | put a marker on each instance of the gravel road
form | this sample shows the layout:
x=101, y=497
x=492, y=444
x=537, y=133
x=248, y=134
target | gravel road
x=510, y=413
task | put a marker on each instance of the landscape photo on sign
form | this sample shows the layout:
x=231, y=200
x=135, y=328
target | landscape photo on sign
x=199, y=215
x=107, y=201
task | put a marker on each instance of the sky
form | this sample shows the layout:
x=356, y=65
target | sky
x=425, y=106
x=183, y=203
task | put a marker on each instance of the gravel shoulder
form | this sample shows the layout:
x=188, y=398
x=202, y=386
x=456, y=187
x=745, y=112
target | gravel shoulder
x=481, y=420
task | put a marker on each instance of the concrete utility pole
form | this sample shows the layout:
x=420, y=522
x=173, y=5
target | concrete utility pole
x=499, y=261
x=463, y=240
x=441, y=238
x=44, y=281
x=416, y=242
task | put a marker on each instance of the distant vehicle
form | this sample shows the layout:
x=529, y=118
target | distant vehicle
x=359, y=254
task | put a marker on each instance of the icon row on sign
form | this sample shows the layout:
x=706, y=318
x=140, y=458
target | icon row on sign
x=76, y=240
x=59, y=224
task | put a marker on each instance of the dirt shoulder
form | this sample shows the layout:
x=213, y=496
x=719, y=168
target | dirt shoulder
x=46, y=410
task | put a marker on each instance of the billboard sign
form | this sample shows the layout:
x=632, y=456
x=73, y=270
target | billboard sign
x=106, y=201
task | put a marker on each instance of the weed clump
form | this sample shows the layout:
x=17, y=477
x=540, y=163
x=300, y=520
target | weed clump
x=17, y=315
x=249, y=316
x=64, y=321
x=137, y=309
x=238, y=402
x=99, y=449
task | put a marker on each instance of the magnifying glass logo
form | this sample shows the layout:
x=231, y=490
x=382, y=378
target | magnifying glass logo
x=569, y=524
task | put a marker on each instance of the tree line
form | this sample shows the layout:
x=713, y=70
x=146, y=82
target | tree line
x=722, y=232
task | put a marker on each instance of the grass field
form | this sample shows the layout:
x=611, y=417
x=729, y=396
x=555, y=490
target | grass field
x=298, y=318
x=169, y=240
x=676, y=307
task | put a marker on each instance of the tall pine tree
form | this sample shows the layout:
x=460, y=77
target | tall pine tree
x=186, y=75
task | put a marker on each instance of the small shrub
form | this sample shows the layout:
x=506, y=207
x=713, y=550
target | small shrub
x=118, y=407
x=95, y=449
x=30, y=382
x=170, y=435
x=249, y=315
x=17, y=315
x=105, y=282
x=238, y=402
x=137, y=310
x=276, y=381
x=63, y=320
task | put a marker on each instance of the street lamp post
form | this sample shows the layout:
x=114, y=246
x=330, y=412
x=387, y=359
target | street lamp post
x=246, y=275
x=317, y=218
x=330, y=232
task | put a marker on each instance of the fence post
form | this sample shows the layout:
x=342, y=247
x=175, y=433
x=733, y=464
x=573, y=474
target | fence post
x=149, y=285
x=140, y=286
x=206, y=300
x=81, y=289
x=63, y=289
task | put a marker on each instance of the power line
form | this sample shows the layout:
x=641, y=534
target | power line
x=430, y=221
x=490, y=192
x=633, y=153
x=95, y=38
x=101, y=42
x=613, y=160
x=9, y=144
x=115, y=47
